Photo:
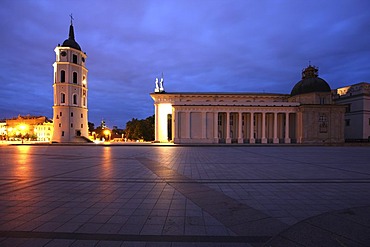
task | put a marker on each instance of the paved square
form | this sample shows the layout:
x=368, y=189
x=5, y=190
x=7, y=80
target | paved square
x=153, y=195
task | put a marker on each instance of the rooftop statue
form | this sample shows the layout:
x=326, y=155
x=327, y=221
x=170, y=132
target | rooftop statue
x=156, y=86
x=159, y=88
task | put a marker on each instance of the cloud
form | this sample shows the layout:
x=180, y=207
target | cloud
x=200, y=46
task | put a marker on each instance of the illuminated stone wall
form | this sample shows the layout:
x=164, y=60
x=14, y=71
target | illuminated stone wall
x=357, y=116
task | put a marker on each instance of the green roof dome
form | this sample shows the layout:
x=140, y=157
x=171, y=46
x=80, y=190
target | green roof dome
x=310, y=82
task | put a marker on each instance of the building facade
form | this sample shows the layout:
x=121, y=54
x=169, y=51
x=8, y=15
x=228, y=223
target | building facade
x=357, y=116
x=28, y=127
x=70, y=92
x=3, y=131
x=44, y=132
x=306, y=115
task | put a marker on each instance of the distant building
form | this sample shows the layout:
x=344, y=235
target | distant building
x=44, y=132
x=26, y=127
x=70, y=92
x=3, y=132
x=357, y=116
x=306, y=115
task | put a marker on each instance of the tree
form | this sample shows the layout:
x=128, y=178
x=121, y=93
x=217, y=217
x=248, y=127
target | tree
x=140, y=129
x=149, y=128
x=91, y=126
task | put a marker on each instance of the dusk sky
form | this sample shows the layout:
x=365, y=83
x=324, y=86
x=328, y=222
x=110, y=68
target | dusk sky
x=199, y=45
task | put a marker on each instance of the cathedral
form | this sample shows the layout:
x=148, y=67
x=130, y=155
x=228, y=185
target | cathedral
x=307, y=115
x=70, y=92
x=312, y=113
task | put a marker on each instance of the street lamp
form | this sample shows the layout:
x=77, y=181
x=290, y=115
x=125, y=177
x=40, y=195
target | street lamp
x=23, y=128
x=107, y=134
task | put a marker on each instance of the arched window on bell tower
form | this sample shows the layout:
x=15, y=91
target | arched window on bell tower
x=62, y=76
x=84, y=81
x=74, y=57
x=75, y=77
x=75, y=99
x=62, y=98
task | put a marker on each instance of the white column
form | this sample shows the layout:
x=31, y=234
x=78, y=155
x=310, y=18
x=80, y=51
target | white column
x=240, y=126
x=228, y=139
x=263, y=139
x=187, y=125
x=156, y=123
x=174, y=125
x=204, y=125
x=287, y=139
x=251, y=135
x=276, y=139
x=215, y=127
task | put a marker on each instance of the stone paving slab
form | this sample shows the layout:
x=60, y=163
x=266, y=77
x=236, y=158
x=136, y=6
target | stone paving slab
x=182, y=195
x=240, y=218
x=349, y=227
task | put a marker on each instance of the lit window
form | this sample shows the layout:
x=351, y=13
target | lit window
x=84, y=81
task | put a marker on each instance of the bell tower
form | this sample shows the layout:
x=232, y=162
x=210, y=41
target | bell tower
x=70, y=92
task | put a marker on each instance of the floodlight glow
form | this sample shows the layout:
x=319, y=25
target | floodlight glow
x=162, y=124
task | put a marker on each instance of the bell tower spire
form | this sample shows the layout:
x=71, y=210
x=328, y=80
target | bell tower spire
x=71, y=31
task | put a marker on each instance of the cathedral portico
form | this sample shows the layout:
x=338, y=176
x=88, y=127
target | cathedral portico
x=306, y=115
x=231, y=119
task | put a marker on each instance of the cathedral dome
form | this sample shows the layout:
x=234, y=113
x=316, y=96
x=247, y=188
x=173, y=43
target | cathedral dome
x=71, y=42
x=310, y=82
